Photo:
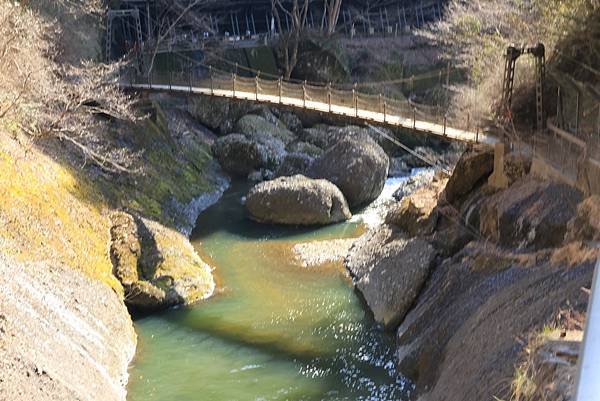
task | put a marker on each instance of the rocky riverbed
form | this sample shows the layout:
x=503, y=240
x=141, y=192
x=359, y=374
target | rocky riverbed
x=441, y=256
x=462, y=271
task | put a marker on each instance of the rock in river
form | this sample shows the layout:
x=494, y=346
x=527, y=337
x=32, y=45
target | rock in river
x=240, y=155
x=252, y=124
x=358, y=167
x=389, y=270
x=297, y=200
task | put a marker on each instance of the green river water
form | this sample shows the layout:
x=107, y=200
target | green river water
x=274, y=331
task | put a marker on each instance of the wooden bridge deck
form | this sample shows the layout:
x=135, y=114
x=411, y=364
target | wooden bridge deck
x=302, y=102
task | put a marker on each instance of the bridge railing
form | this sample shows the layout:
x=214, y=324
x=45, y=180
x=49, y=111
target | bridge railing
x=569, y=146
x=336, y=99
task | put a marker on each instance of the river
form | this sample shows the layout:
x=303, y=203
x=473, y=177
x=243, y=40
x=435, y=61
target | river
x=274, y=331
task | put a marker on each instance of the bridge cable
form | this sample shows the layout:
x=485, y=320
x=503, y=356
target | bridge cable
x=458, y=221
x=430, y=162
x=413, y=78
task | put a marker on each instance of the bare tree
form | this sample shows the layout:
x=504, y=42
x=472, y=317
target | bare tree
x=290, y=40
x=333, y=9
x=166, y=29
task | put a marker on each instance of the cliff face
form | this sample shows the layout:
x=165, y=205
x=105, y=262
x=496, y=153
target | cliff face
x=62, y=335
x=64, y=329
x=509, y=263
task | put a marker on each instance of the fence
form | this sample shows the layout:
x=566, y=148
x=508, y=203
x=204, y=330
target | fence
x=569, y=147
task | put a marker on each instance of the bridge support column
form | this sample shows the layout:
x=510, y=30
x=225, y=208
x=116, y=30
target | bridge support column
x=498, y=178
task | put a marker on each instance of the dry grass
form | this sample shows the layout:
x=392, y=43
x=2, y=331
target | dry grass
x=71, y=147
x=45, y=93
x=476, y=34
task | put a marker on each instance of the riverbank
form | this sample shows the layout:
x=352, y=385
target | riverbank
x=497, y=267
x=128, y=235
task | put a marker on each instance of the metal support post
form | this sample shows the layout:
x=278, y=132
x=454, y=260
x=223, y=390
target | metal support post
x=540, y=61
x=355, y=100
x=414, y=118
x=170, y=73
x=445, y=123
x=329, y=96
x=384, y=111
x=280, y=88
x=256, y=84
x=233, y=82
x=304, y=94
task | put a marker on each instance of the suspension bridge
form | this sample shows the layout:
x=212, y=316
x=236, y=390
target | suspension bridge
x=324, y=98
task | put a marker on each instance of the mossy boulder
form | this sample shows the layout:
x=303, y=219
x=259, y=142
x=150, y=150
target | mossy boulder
x=157, y=266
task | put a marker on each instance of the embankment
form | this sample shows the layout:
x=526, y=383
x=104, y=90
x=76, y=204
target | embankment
x=495, y=268
x=62, y=291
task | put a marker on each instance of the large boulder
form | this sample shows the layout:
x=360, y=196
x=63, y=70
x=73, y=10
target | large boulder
x=305, y=147
x=291, y=121
x=252, y=124
x=319, y=64
x=471, y=310
x=240, y=155
x=358, y=168
x=389, y=270
x=325, y=136
x=157, y=266
x=530, y=213
x=473, y=168
x=417, y=213
x=297, y=200
x=217, y=114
